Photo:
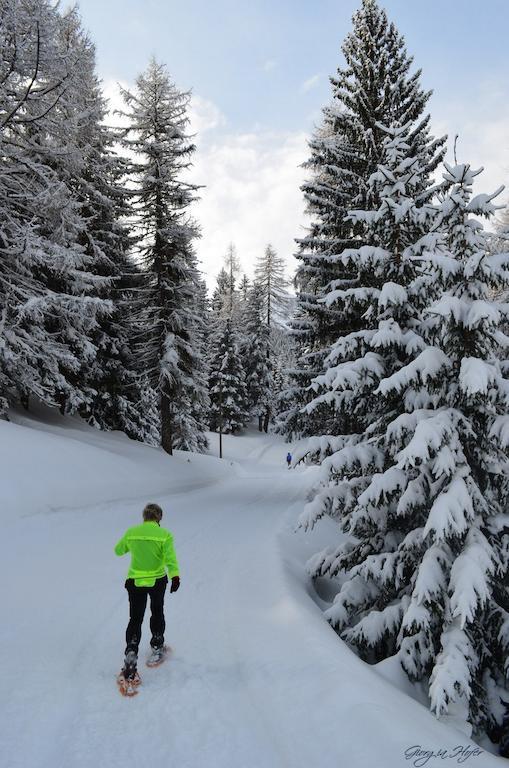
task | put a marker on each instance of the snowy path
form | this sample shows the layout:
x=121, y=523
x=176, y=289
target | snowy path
x=256, y=680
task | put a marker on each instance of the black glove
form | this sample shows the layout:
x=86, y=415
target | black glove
x=175, y=584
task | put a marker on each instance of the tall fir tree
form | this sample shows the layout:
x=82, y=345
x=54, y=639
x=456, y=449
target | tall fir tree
x=165, y=308
x=221, y=301
x=244, y=288
x=229, y=410
x=422, y=490
x=259, y=378
x=375, y=88
x=192, y=435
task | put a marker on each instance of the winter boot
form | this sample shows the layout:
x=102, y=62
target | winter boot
x=130, y=664
x=158, y=651
x=128, y=679
x=157, y=642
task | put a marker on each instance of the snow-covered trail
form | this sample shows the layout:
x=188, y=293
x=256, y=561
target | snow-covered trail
x=256, y=679
x=197, y=709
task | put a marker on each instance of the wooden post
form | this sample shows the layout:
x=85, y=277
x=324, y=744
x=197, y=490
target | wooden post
x=220, y=418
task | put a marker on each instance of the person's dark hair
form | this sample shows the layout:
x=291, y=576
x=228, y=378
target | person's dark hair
x=152, y=512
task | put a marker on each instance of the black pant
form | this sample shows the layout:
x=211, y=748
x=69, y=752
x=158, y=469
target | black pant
x=137, y=604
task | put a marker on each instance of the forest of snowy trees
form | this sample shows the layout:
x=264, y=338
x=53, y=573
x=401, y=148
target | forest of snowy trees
x=387, y=360
x=104, y=311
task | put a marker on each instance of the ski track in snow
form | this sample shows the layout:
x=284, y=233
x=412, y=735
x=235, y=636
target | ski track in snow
x=256, y=678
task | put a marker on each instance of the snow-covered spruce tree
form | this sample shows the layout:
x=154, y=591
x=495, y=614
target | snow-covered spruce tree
x=375, y=87
x=241, y=319
x=423, y=491
x=258, y=368
x=389, y=295
x=93, y=171
x=244, y=288
x=228, y=397
x=282, y=343
x=294, y=395
x=164, y=310
x=220, y=302
x=48, y=292
x=191, y=435
x=148, y=407
x=466, y=522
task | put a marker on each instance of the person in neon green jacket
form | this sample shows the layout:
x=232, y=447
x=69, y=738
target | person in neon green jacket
x=153, y=562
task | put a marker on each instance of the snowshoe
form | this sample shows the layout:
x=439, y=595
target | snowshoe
x=128, y=679
x=128, y=686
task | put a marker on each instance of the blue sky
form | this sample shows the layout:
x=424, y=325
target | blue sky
x=259, y=69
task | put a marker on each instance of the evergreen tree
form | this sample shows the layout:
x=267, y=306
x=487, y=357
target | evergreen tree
x=148, y=406
x=165, y=308
x=93, y=171
x=244, y=294
x=192, y=433
x=221, y=302
x=282, y=342
x=375, y=88
x=228, y=396
x=259, y=379
x=422, y=489
x=48, y=292
x=390, y=299
x=244, y=288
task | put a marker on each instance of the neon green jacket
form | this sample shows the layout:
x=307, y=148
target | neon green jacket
x=152, y=553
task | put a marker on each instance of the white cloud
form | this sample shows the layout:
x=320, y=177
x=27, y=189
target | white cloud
x=251, y=197
x=111, y=91
x=204, y=115
x=269, y=65
x=310, y=83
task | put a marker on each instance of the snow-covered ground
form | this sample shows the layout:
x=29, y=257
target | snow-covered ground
x=257, y=678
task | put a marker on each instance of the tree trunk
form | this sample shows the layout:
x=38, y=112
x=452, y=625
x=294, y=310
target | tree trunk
x=266, y=421
x=166, y=421
x=62, y=404
x=260, y=423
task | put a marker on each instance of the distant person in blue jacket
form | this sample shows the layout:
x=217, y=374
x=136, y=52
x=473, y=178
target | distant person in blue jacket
x=289, y=459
